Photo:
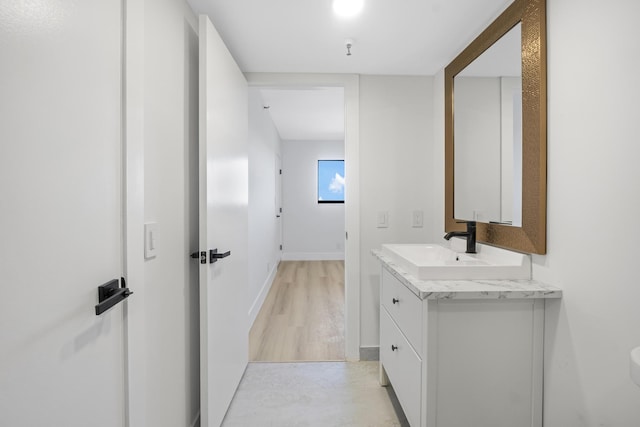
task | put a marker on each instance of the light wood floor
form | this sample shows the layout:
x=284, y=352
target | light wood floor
x=302, y=318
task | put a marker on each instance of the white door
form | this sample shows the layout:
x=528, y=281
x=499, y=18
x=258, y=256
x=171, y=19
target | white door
x=60, y=213
x=278, y=202
x=224, y=197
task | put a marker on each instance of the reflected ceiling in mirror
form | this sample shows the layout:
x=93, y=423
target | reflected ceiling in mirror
x=529, y=234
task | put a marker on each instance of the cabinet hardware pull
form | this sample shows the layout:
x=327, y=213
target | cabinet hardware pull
x=395, y=300
x=394, y=347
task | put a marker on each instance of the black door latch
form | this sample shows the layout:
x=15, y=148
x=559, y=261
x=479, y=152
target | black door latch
x=214, y=256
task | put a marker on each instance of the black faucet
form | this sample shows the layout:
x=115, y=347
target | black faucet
x=470, y=235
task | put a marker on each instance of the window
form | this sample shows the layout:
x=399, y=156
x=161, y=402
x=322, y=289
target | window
x=330, y=181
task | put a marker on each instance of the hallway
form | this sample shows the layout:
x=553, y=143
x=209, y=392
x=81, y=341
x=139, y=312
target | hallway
x=302, y=318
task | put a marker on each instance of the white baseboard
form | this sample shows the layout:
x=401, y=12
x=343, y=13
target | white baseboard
x=264, y=291
x=313, y=256
x=370, y=353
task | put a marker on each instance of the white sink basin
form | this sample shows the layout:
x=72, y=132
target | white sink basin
x=635, y=365
x=440, y=262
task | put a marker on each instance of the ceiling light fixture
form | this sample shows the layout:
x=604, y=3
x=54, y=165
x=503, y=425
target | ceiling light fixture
x=349, y=44
x=347, y=8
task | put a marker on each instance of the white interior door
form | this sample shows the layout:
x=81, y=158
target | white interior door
x=60, y=213
x=224, y=197
x=278, y=202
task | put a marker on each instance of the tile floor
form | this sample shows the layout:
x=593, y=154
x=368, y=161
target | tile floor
x=310, y=394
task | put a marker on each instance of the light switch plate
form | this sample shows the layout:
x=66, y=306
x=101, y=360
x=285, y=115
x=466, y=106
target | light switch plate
x=150, y=240
x=383, y=219
x=417, y=219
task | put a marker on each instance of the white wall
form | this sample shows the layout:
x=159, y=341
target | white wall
x=264, y=230
x=170, y=188
x=396, y=150
x=311, y=230
x=593, y=178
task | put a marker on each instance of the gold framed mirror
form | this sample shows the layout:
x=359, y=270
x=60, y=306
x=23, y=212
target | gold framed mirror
x=529, y=235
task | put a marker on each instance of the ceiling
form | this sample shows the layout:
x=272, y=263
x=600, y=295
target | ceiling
x=311, y=114
x=390, y=37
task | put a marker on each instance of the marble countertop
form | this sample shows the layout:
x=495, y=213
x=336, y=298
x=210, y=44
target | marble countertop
x=469, y=289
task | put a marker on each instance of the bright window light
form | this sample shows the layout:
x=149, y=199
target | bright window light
x=347, y=8
x=331, y=181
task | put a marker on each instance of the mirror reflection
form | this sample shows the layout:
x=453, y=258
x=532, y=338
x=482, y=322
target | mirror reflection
x=488, y=135
x=528, y=193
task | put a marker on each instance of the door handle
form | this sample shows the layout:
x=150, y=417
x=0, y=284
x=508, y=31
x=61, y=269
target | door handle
x=214, y=256
x=202, y=255
x=110, y=294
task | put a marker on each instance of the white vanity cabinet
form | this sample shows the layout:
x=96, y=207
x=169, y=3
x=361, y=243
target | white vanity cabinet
x=466, y=357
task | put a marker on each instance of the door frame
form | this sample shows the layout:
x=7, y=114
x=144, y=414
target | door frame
x=278, y=202
x=351, y=85
x=133, y=210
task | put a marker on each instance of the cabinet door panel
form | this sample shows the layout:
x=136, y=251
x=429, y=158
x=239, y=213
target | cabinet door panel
x=403, y=367
x=485, y=357
x=404, y=307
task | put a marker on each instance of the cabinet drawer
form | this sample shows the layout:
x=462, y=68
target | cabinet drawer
x=404, y=307
x=403, y=367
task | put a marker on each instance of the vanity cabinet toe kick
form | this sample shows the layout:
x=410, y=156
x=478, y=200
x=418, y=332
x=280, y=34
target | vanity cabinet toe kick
x=462, y=362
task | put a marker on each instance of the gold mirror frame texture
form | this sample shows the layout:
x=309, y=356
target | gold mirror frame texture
x=531, y=237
